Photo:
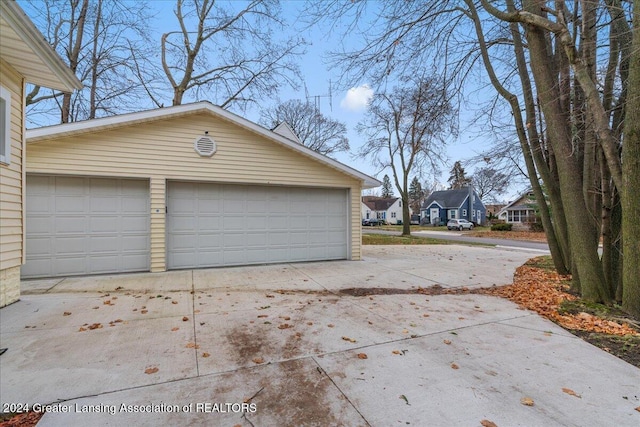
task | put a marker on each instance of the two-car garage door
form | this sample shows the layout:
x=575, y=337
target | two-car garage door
x=81, y=225
x=212, y=225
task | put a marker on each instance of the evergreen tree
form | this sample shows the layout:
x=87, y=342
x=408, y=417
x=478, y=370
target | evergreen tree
x=458, y=179
x=415, y=194
x=387, y=188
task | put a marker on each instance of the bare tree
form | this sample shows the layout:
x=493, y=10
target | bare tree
x=98, y=39
x=231, y=55
x=563, y=69
x=405, y=132
x=315, y=130
x=489, y=183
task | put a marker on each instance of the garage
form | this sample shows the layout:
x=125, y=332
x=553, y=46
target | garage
x=211, y=225
x=84, y=225
x=188, y=186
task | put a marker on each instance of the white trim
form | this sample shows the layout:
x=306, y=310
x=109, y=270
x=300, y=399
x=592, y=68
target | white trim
x=5, y=127
x=29, y=34
x=94, y=125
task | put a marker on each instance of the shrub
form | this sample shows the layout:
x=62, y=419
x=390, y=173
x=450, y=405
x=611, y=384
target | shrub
x=536, y=227
x=501, y=227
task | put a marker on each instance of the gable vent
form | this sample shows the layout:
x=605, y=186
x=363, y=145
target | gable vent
x=205, y=146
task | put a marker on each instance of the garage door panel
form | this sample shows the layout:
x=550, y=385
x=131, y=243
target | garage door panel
x=86, y=226
x=255, y=224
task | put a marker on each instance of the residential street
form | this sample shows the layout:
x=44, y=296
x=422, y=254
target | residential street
x=461, y=236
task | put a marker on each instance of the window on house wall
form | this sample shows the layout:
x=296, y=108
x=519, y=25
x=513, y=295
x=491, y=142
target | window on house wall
x=393, y=214
x=400, y=203
x=452, y=214
x=479, y=215
x=5, y=124
x=464, y=212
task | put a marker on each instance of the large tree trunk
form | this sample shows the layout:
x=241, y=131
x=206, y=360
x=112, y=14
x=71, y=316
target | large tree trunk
x=584, y=251
x=631, y=178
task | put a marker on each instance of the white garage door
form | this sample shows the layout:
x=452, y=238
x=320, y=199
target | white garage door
x=210, y=225
x=86, y=226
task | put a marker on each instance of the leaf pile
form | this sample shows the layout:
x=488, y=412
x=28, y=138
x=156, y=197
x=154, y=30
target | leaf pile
x=543, y=290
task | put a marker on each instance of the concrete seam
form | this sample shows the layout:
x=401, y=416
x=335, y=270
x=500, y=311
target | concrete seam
x=340, y=390
x=193, y=316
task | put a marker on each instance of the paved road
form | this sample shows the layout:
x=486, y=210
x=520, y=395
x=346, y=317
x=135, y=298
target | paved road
x=457, y=236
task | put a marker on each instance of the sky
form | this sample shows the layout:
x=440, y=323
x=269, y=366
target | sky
x=346, y=105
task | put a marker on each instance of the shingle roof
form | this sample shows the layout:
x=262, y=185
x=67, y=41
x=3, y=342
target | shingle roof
x=447, y=198
x=379, y=203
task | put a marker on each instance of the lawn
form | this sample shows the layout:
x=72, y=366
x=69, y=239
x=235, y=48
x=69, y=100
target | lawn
x=385, y=239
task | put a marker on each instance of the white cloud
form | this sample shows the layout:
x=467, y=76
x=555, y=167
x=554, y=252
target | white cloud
x=357, y=98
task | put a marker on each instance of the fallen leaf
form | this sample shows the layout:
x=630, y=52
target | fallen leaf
x=174, y=329
x=425, y=315
x=96, y=307
x=151, y=370
x=205, y=354
x=403, y=397
x=286, y=317
x=114, y=297
x=81, y=329
x=262, y=315
x=309, y=323
x=95, y=326
x=185, y=319
x=66, y=313
x=285, y=326
x=192, y=345
x=258, y=360
x=447, y=342
x=174, y=302
x=106, y=302
x=396, y=352
x=571, y=392
x=362, y=356
x=144, y=311
x=454, y=366
x=330, y=325
x=638, y=409
x=527, y=401
x=487, y=423
x=348, y=339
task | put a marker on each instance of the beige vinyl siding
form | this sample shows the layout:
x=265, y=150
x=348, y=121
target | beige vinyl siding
x=11, y=176
x=158, y=223
x=163, y=150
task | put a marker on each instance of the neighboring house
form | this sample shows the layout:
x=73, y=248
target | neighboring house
x=189, y=186
x=441, y=206
x=388, y=209
x=493, y=210
x=25, y=57
x=520, y=211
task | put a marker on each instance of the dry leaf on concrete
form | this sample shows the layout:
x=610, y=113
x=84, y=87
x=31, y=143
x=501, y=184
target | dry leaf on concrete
x=205, y=354
x=447, y=342
x=258, y=360
x=174, y=329
x=527, y=401
x=152, y=370
x=66, y=313
x=362, y=356
x=571, y=392
x=348, y=339
x=487, y=423
x=192, y=345
x=185, y=319
x=454, y=366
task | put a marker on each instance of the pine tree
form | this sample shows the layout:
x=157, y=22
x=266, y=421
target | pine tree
x=387, y=188
x=458, y=179
x=415, y=194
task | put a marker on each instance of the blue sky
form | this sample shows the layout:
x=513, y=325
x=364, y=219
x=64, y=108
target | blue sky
x=346, y=105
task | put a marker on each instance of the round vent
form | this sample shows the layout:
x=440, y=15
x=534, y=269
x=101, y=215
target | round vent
x=205, y=146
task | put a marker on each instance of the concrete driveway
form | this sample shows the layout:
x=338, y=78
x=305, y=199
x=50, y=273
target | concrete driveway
x=281, y=345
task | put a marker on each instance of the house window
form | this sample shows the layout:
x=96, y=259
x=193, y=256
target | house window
x=393, y=214
x=382, y=215
x=400, y=203
x=479, y=216
x=452, y=214
x=5, y=124
x=464, y=213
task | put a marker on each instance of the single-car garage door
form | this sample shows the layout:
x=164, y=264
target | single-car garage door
x=86, y=226
x=211, y=225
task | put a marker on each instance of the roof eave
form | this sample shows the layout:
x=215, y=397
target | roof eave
x=69, y=129
x=24, y=27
